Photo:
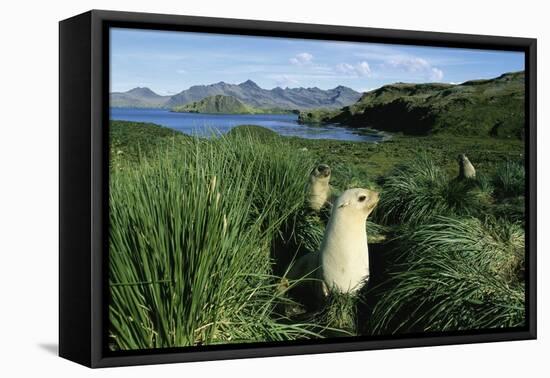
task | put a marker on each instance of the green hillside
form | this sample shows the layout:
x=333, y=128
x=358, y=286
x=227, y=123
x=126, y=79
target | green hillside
x=492, y=107
x=224, y=105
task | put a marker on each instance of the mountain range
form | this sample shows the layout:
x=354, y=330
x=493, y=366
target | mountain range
x=247, y=92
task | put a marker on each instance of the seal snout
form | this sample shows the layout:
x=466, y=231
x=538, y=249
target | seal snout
x=323, y=170
x=370, y=198
x=375, y=197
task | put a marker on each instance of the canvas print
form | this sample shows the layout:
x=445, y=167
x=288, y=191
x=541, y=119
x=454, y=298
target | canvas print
x=267, y=189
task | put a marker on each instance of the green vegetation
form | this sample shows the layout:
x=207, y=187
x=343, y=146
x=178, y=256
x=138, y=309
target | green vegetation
x=482, y=108
x=454, y=273
x=456, y=258
x=202, y=230
x=418, y=191
x=368, y=163
x=192, y=227
x=509, y=180
x=339, y=313
x=225, y=105
x=261, y=133
x=130, y=140
x=313, y=116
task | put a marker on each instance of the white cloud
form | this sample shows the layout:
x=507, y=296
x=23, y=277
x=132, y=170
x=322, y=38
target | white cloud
x=368, y=89
x=410, y=64
x=181, y=71
x=301, y=59
x=437, y=74
x=415, y=65
x=363, y=69
x=359, y=69
x=286, y=81
x=345, y=68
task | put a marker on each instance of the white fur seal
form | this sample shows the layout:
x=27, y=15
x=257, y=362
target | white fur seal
x=344, y=251
x=343, y=261
x=319, y=188
x=466, y=168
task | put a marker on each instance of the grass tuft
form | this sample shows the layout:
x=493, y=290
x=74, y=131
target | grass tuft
x=339, y=315
x=455, y=274
x=191, y=230
x=417, y=192
x=509, y=179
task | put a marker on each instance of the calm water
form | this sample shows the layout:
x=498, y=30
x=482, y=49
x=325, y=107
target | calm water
x=206, y=124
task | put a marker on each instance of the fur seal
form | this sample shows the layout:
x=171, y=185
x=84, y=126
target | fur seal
x=344, y=251
x=319, y=188
x=465, y=168
x=343, y=261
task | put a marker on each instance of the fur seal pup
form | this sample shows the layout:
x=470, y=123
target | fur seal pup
x=344, y=251
x=465, y=168
x=343, y=261
x=319, y=188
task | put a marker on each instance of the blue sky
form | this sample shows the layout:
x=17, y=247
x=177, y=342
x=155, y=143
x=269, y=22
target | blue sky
x=169, y=62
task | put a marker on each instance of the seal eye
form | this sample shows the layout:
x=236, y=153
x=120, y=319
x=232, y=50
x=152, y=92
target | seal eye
x=362, y=198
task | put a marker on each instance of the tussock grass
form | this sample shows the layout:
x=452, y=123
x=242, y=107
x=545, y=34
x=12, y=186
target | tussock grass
x=455, y=274
x=191, y=230
x=202, y=230
x=509, y=179
x=417, y=192
x=309, y=231
x=339, y=314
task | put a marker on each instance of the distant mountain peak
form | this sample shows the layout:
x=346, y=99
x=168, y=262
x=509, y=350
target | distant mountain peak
x=343, y=88
x=139, y=89
x=249, y=84
x=143, y=92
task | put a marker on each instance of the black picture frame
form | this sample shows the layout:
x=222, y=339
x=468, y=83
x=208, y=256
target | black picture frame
x=83, y=181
